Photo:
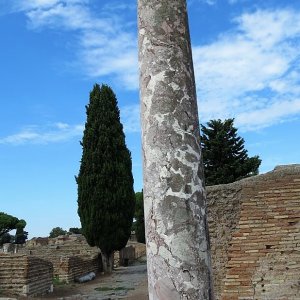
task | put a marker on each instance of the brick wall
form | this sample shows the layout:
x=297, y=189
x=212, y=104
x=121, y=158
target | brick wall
x=24, y=275
x=255, y=236
x=71, y=256
x=129, y=254
x=74, y=267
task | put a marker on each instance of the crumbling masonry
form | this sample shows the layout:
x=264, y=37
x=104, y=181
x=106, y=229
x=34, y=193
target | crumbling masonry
x=254, y=228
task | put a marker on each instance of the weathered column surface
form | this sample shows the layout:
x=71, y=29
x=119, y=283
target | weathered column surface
x=174, y=195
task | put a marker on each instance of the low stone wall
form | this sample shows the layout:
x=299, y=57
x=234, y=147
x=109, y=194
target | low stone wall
x=68, y=268
x=140, y=249
x=25, y=275
x=71, y=256
x=129, y=254
x=254, y=227
x=71, y=268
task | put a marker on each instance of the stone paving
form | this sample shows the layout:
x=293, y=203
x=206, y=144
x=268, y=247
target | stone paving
x=122, y=282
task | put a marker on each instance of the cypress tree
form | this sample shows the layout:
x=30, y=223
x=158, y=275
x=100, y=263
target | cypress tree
x=106, y=197
x=139, y=215
x=224, y=156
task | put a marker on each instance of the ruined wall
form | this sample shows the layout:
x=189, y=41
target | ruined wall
x=71, y=256
x=255, y=236
x=129, y=254
x=25, y=275
x=71, y=268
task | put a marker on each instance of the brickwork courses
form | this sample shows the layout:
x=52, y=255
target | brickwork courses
x=25, y=275
x=66, y=258
x=71, y=256
x=130, y=253
x=255, y=236
x=255, y=244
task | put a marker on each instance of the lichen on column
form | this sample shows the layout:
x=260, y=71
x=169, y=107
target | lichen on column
x=174, y=193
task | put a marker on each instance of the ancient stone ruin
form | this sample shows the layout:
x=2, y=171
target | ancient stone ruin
x=254, y=229
x=25, y=275
x=29, y=271
x=71, y=256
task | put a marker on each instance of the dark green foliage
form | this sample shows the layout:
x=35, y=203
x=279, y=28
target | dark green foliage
x=105, y=184
x=21, y=235
x=8, y=223
x=6, y=238
x=57, y=231
x=139, y=216
x=224, y=157
x=75, y=230
x=57, y=282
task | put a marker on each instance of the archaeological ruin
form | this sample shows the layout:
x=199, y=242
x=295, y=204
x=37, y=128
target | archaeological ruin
x=254, y=229
x=255, y=244
x=25, y=275
x=30, y=270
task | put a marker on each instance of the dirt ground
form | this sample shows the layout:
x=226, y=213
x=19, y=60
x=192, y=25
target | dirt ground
x=124, y=283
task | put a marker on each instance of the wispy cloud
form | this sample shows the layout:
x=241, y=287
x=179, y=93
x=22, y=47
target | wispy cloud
x=130, y=116
x=238, y=1
x=208, y=2
x=120, y=5
x=62, y=132
x=252, y=72
x=105, y=43
x=58, y=132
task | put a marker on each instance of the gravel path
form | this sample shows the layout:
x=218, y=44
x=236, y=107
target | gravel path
x=124, y=283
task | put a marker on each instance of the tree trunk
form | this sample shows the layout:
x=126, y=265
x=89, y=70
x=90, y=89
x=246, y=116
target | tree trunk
x=174, y=194
x=107, y=262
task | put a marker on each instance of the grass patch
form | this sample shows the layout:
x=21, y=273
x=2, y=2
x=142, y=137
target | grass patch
x=122, y=288
x=107, y=288
x=56, y=281
x=103, y=289
x=142, y=260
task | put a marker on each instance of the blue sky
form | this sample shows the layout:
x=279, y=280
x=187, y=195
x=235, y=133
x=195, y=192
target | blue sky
x=246, y=57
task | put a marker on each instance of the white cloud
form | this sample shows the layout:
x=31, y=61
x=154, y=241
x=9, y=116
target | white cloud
x=119, y=5
x=208, y=2
x=278, y=111
x=105, y=43
x=130, y=116
x=245, y=73
x=103, y=55
x=62, y=132
x=232, y=2
x=252, y=72
x=55, y=133
x=25, y=5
